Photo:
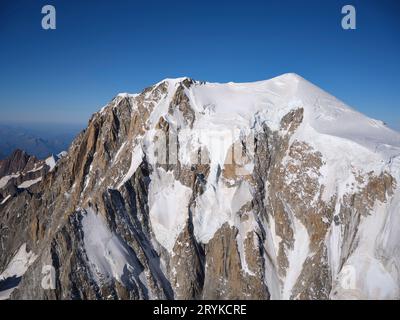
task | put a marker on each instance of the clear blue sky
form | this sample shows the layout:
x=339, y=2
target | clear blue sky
x=101, y=48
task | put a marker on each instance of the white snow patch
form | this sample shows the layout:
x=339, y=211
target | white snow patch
x=108, y=256
x=51, y=162
x=62, y=154
x=371, y=271
x=217, y=205
x=35, y=169
x=5, y=199
x=4, y=180
x=16, y=268
x=246, y=229
x=296, y=257
x=127, y=95
x=119, y=151
x=28, y=183
x=271, y=247
x=168, y=203
x=137, y=155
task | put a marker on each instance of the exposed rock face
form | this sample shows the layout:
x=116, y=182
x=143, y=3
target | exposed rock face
x=17, y=161
x=193, y=190
x=21, y=171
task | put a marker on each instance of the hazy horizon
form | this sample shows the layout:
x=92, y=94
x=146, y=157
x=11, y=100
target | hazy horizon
x=39, y=139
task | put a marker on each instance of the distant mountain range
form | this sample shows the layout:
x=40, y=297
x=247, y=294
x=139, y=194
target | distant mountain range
x=40, y=140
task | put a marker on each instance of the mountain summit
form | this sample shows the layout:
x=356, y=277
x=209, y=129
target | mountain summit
x=193, y=190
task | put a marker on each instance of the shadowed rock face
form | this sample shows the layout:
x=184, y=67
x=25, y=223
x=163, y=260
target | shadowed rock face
x=115, y=223
x=16, y=162
x=21, y=171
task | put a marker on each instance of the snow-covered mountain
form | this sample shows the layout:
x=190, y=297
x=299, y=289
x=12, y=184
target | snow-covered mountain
x=193, y=190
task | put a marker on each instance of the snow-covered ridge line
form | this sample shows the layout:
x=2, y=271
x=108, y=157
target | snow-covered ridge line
x=273, y=98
